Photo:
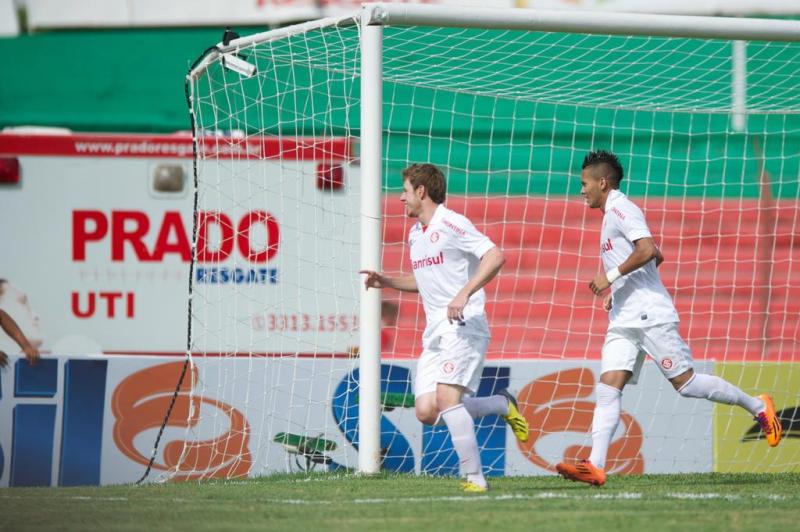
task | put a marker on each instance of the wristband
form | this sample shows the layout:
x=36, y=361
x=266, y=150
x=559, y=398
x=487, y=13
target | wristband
x=612, y=275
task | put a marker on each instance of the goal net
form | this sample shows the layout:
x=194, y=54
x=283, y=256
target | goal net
x=708, y=132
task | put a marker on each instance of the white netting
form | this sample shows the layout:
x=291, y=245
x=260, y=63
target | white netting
x=508, y=116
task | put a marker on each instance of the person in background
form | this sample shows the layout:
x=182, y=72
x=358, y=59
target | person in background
x=13, y=300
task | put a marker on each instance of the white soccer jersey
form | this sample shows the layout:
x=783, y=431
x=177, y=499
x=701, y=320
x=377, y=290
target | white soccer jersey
x=640, y=299
x=444, y=255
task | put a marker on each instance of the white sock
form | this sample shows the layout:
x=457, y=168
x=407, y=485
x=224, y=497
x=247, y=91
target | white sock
x=605, y=421
x=462, y=432
x=484, y=406
x=713, y=388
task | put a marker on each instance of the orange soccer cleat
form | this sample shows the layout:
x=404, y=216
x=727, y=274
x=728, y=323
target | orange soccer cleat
x=583, y=471
x=770, y=424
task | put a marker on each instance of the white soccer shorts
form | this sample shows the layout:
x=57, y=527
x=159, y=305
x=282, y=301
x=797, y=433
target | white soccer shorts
x=452, y=358
x=626, y=347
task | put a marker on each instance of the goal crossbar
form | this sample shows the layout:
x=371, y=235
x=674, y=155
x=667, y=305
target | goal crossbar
x=606, y=23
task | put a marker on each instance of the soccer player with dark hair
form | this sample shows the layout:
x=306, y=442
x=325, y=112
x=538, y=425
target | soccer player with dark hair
x=642, y=321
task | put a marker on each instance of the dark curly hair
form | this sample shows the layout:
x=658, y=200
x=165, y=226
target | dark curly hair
x=614, y=168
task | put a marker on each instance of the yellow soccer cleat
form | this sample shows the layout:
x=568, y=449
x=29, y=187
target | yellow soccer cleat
x=583, y=471
x=467, y=486
x=515, y=420
x=770, y=424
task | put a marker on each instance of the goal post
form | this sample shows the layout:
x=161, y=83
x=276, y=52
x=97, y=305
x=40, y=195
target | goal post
x=300, y=137
x=371, y=192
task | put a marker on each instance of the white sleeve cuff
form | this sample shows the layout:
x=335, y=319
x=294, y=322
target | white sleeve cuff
x=483, y=247
x=636, y=234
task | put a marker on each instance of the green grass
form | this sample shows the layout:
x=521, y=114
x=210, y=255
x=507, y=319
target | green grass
x=308, y=503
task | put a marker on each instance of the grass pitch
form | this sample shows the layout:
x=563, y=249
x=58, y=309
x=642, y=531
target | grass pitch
x=345, y=502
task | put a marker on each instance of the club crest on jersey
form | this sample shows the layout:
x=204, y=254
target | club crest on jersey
x=666, y=363
x=435, y=236
x=424, y=262
x=606, y=246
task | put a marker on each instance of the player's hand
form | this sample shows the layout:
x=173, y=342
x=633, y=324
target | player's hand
x=599, y=284
x=607, y=303
x=32, y=354
x=3, y=359
x=373, y=279
x=455, y=310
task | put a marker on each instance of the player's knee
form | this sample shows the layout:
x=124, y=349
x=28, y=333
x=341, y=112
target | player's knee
x=616, y=378
x=445, y=402
x=681, y=383
x=427, y=414
x=448, y=396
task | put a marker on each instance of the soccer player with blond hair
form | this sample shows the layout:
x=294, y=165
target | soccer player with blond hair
x=451, y=261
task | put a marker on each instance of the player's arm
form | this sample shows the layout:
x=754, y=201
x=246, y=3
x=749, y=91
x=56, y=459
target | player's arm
x=644, y=251
x=490, y=265
x=375, y=279
x=11, y=328
x=659, y=257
